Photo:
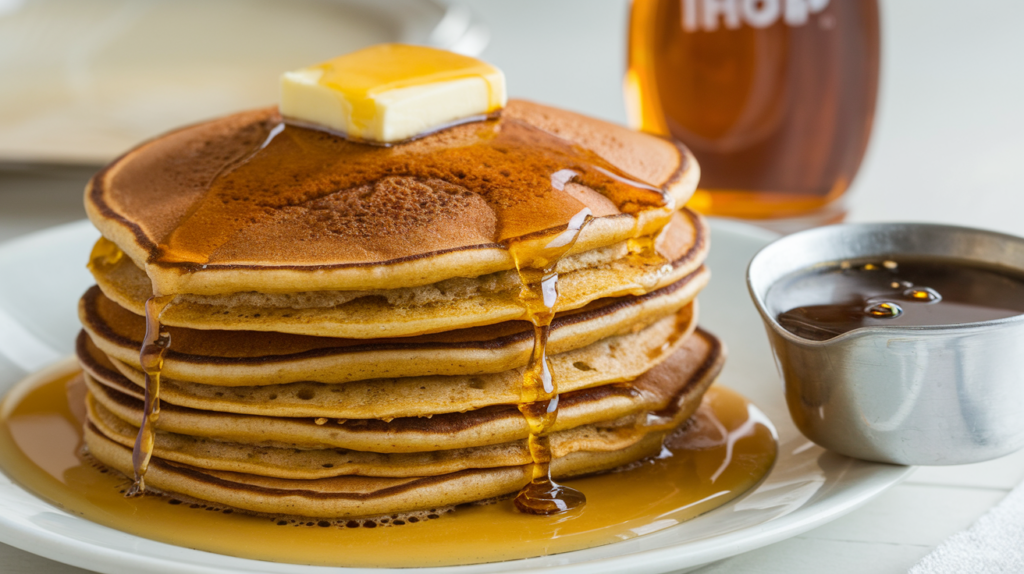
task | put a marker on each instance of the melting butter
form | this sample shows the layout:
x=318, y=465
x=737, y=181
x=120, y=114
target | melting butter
x=392, y=92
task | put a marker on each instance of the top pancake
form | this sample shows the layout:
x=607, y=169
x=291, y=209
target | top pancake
x=233, y=205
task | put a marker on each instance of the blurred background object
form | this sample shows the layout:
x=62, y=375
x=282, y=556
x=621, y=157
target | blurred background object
x=775, y=98
x=946, y=144
x=84, y=80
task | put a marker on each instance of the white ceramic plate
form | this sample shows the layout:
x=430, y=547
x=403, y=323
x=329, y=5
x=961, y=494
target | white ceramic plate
x=43, y=275
x=87, y=79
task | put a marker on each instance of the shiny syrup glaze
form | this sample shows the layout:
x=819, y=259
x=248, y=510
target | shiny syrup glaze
x=520, y=171
x=828, y=302
x=725, y=450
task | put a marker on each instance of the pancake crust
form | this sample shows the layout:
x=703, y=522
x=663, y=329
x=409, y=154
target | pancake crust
x=140, y=199
x=372, y=316
x=247, y=358
x=652, y=391
x=324, y=463
x=612, y=360
x=352, y=496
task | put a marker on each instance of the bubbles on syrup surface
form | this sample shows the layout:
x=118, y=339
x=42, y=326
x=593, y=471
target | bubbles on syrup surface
x=922, y=295
x=825, y=303
x=884, y=310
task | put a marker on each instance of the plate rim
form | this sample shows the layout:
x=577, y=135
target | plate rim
x=37, y=539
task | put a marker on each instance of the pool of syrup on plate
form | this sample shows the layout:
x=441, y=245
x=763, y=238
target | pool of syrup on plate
x=726, y=449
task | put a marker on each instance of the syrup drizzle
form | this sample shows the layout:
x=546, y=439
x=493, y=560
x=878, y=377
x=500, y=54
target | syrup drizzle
x=106, y=253
x=539, y=395
x=151, y=356
x=520, y=171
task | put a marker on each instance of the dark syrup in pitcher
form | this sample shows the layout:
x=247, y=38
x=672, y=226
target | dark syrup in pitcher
x=828, y=302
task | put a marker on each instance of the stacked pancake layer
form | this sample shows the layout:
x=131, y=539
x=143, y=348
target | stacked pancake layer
x=356, y=347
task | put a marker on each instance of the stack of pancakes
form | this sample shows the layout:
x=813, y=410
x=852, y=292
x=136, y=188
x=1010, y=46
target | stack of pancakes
x=358, y=350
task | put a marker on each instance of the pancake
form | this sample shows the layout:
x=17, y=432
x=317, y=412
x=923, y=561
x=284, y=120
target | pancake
x=611, y=360
x=325, y=463
x=652, y=391
x=333, y=484
x=434, y=208
x=352, y=496
x=248, y=358
x=372, y=315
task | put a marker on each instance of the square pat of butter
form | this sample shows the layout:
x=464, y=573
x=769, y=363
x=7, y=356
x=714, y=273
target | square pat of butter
x=392, y=92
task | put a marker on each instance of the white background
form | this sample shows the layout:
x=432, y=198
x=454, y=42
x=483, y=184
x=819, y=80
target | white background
x=948, y=146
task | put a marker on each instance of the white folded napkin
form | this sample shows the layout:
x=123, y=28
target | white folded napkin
x=994, y=544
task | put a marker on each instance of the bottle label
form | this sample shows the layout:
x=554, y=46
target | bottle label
x=708, y=15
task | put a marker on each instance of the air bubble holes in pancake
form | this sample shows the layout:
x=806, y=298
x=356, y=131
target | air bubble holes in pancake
x=445, y=291
x=373, y=318
x=399, y=519
x=83, y=453
x=389, y=398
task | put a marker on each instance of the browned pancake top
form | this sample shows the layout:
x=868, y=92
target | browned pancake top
x=247, y=190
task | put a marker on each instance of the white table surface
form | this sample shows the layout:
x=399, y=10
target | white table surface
x=948, y=146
